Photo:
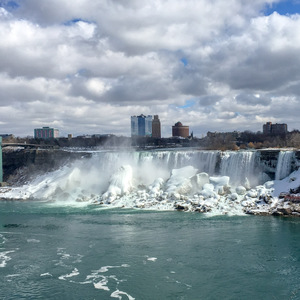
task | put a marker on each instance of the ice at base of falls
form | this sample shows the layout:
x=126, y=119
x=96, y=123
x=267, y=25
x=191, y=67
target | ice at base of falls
x=163, y=181
x=120, y=183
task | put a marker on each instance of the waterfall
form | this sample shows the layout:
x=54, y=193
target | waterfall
x=239, y=166
x=148, y=165
x=204, y=161
x=138, y=177
x=283, y=168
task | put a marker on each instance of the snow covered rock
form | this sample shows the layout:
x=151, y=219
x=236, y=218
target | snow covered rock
x=240, y=190
x=120, y=183
x=180, y=181
x=199, y=180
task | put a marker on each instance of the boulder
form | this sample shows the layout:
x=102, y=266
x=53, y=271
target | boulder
x=199, y=180
x=233, y=196
x=240, y=190
x=285, y=211
x=252, y=194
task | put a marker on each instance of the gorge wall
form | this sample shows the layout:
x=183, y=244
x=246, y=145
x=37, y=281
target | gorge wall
x=22, y=164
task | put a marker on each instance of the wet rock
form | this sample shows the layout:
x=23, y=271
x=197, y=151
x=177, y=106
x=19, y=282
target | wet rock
x=203, y=209
x=277, y=213
x=181, y=207
x=220, y=190
x=285, y=211
x=266, y=198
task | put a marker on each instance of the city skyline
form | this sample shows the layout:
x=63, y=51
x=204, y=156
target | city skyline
x=86, y=68
x=150, y=126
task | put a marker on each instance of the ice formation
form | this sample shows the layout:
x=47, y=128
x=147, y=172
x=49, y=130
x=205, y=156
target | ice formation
x=204, y=181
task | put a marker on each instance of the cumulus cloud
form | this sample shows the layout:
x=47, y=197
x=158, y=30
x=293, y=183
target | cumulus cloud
x=250, y=99
x=86, y=67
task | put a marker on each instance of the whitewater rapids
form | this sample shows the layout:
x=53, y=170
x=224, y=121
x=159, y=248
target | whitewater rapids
x=205, y=181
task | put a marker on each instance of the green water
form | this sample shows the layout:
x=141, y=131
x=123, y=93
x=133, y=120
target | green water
x=50, y=252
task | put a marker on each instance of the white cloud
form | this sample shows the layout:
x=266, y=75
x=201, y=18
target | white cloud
x=88, y=66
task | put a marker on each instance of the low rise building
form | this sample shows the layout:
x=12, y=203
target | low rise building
x=178, y=130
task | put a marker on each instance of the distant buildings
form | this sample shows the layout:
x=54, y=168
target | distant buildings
x=145, y=126
x=179, y=130
x=7, y=136
x=46, y=133
x=274, y=129
x=141, y=125
x=156, y=129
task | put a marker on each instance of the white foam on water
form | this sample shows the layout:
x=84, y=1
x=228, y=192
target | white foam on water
x=2, y=239
x=46, y=274
x=152, y=259
x=67, y=258
x=13, y=275
x=101, y=281
x=75, y=272
x=106, y=268
x=102, y=284
x=63, y=256
x=78, y=258
x=4, y=258
x=33, y=241
x=118, y=294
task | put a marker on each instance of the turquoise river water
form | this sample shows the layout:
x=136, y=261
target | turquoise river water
x=53, y=252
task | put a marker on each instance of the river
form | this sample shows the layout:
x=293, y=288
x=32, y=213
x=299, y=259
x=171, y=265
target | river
x=51, y=251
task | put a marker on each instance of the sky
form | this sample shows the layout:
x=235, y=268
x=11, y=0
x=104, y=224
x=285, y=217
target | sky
x=86, y=66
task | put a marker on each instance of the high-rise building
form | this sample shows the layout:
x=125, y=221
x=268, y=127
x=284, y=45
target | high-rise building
x=141, y=125
x=275, y=129
x=178, y=130
x=46, y=133
x=156, y=130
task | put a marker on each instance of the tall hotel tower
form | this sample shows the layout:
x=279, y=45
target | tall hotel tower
x=141, y=125
x=156, y=131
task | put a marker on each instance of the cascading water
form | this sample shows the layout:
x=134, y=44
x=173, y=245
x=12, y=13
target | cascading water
x=283, y=168
x=239, y=166
x=193, y=179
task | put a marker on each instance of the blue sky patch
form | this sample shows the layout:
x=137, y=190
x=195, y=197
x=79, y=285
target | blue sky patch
x=284, y=7
x=73, y=21
x=188, y=103
x=9, y=5
x=184, y=61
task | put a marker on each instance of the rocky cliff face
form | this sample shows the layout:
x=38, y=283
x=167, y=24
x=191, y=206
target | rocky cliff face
x=269, y=160
x=20, y=165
